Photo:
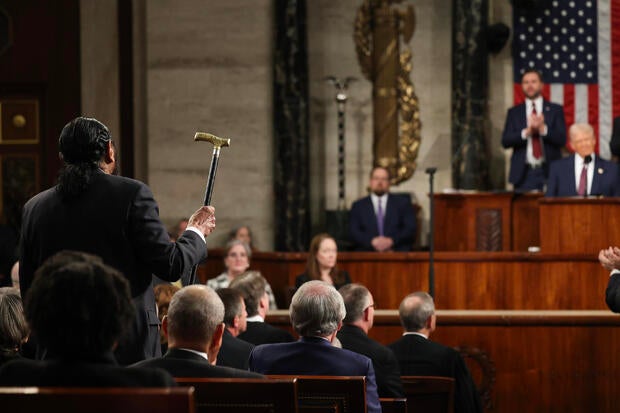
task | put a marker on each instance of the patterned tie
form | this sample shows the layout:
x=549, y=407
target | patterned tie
x=380, y=217
x=536, y=148
x=583, y=181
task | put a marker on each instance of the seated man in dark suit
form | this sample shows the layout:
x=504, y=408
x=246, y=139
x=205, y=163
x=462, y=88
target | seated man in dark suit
x=316, y=312
x=354, y=336
x=252, y=286
x=583, y=173
x=418, y=356
x=234, y=352
x=382, y=221
x=194, y=329
x=78, y=308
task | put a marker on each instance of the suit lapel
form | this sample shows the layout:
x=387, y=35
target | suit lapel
x=371, y=217
x=572, y=189
x=596, y=177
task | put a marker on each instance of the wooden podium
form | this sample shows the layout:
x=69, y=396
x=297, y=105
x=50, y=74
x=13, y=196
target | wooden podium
x=579, y=225
x=486, y=221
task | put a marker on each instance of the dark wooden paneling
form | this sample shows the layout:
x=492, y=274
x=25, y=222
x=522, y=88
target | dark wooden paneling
x=525, y=221
x=511, y=281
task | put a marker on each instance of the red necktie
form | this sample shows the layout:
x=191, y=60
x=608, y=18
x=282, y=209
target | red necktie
x=536, y=148
x=583, y=181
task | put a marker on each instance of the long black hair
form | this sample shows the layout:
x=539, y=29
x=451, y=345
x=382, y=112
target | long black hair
x=82, y=146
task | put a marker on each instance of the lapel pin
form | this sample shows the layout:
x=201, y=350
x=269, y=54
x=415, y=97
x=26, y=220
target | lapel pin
x=600, y=171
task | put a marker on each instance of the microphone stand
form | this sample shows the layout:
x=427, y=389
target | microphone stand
x=431, y=248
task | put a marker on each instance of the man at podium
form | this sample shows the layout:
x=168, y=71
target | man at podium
x=583, y=173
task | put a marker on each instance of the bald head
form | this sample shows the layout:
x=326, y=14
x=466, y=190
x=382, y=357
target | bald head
x=194, y=314
x=415, y=310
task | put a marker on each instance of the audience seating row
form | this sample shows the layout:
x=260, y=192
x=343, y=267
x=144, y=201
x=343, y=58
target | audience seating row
x=286, y=394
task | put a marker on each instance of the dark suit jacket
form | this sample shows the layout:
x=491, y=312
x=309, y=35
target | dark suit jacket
x=612, y=294
x=263, y=333
x=553, y=142
x=102, y=372
x=234, y=352
x=383, y=359
x=118, y=220
x=183, y=363
x=418, y=356
x=614, y=142
x=562, y=178
x=316, y=356
x=399, y=223
x=304, y=278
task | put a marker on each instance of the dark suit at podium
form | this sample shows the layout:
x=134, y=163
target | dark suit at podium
x=562, y=180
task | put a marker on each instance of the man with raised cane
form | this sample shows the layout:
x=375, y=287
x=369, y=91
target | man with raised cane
x=94, y=210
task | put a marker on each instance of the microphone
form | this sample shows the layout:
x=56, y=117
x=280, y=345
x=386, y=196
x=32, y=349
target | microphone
x=587, y=159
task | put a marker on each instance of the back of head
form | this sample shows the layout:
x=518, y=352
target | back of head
x=317, y=309
x=193, y=314
x=232, y=304
x=251, y=285
x=82, y=145
x=77, y=306
x=356, y=299
x=13, y=326
x=415, y=310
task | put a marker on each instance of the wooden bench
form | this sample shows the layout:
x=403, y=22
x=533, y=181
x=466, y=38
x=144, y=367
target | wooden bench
x=429, y=394
x=222, y=395
x=97, y=400
x=347, y=393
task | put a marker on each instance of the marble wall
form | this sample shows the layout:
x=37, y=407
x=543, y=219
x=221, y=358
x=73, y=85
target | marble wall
x=208, y=68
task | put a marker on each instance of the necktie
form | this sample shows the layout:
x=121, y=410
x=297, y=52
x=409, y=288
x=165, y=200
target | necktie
x=536, y=148
x=583, y=181
x=380, y=217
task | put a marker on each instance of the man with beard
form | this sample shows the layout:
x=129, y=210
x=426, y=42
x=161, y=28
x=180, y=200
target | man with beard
x=382, y=221
x=536, y=132
x=95, y=211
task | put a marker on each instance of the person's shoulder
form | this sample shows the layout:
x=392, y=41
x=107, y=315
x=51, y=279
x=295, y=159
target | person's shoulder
x=42, y=196
x=360, y=201
x=230, y=372
x=553, y=106
x=516, y=108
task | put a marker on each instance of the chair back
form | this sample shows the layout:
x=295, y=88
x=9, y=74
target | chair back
x=393, y=405
x=348, y=393
x=429, y=394
x=223, y=395
x=97, y=400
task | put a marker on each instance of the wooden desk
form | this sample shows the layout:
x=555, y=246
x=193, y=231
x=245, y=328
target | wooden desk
x=579, y=225
x=486, y=221
x=463, y=280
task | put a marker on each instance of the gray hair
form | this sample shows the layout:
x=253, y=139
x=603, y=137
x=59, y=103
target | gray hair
x=234, y=242
x=316, y=309
x=356, y=299
x=194, y=313
x=415, y=309
x=580, y=127
x=13, y=326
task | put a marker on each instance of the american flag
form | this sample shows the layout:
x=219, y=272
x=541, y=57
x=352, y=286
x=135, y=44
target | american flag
x=576, y=45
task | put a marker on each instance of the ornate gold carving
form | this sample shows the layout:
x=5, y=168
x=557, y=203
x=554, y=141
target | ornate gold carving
x=377, y=30
x=19, y=121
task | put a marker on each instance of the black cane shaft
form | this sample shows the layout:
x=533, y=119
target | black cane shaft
x=211, y=178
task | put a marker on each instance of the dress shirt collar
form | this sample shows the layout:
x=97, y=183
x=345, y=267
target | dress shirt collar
x=200, y=353
x=256, y=318
x=375, y=201
x=414, y=333
x=538, y=102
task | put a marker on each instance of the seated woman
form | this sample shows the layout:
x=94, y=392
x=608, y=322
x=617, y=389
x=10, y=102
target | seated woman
x=242, y=233
x=13, y=326
x=321, y=264
x=237, y=261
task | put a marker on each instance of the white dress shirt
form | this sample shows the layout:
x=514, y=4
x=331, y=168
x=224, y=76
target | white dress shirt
x=578, y=167
x=529, y=105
